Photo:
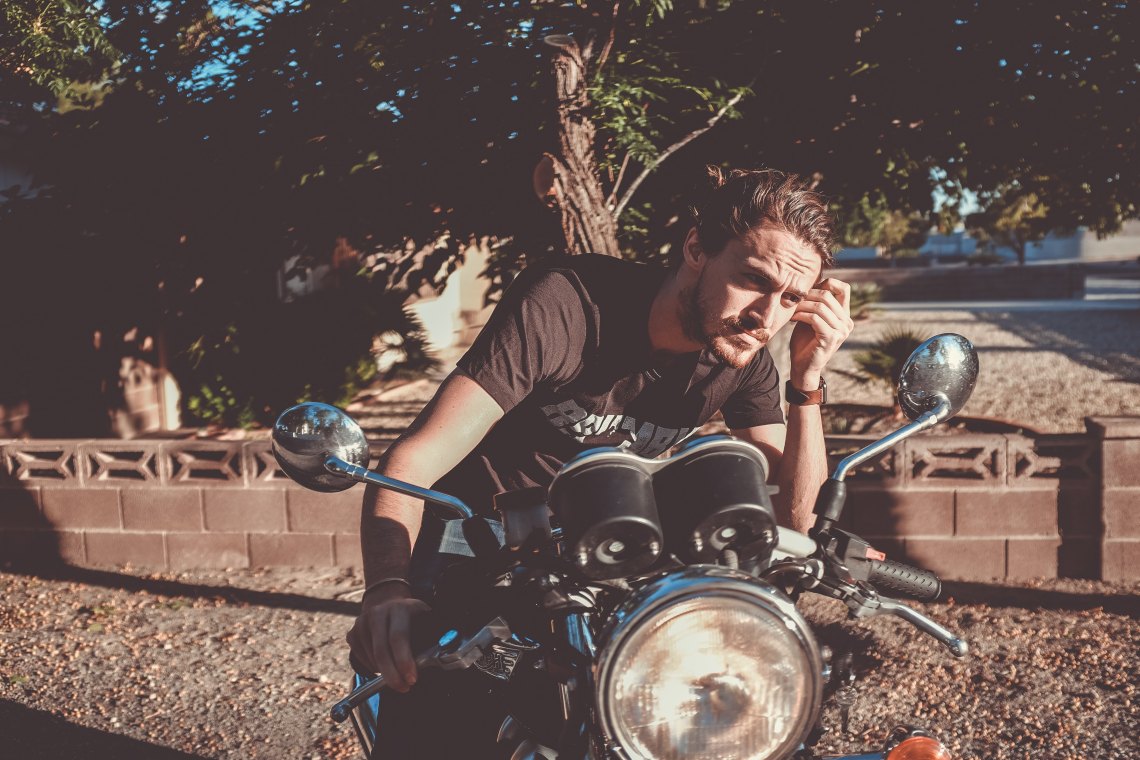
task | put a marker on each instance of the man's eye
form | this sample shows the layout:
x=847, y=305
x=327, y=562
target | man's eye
x=792, y=298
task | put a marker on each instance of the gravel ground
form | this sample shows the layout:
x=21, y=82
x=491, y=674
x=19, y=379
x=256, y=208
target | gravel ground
x=246, y=665
x=208, y=665
x=1045, y=370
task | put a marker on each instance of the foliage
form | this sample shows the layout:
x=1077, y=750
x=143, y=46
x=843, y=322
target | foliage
x=318, y=348
x=871, y=222
x=51, y=45
x=1011, y=217
x=883, y=361
x=947, y=217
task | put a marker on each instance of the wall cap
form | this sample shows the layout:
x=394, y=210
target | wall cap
x=1113, y=428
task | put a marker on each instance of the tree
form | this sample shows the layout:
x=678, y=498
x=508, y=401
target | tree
x=1013, y=218
x=872, y=223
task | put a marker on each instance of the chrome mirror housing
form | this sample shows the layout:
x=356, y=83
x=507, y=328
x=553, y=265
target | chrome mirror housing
x=324, y=449
x=306, y=435
x=938, y=377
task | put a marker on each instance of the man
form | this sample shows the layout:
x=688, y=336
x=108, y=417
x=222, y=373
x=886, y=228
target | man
x=589, y=351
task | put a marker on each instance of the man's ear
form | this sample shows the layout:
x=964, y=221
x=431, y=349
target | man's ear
x=693, y=256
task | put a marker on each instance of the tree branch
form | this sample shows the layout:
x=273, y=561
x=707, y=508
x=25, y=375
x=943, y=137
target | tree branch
x=609, y=40
x=673, y=149
x=617, y=182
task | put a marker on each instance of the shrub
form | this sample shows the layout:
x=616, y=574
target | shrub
x=884, y=360
x=317, y=349
x=984, y=257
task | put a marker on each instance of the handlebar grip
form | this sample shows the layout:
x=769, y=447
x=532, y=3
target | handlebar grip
x=425, y=639
x=905, y=579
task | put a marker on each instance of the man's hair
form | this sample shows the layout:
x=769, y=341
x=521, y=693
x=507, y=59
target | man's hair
x=744, y=200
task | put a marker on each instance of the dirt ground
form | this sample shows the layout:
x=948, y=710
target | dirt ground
x=246, y=664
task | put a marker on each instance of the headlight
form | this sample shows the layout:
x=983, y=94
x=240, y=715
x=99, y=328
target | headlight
x=708, y=663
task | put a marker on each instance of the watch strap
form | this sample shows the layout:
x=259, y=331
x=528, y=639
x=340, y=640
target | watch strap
x=806, y=398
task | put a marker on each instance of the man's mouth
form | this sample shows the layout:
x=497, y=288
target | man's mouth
x=750, y=328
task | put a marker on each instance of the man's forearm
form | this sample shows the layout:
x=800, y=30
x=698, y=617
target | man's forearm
x=803, y=467
x=389, y=525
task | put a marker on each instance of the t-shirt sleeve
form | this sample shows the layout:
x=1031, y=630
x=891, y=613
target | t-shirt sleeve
x=536, y=334
x=757, y=400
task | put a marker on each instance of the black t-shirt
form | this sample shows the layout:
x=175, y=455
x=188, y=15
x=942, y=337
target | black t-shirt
x=566, y=354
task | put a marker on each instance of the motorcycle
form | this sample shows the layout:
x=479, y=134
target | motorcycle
x=655, y=598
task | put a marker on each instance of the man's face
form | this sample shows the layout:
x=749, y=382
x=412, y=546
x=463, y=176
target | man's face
x=747, y=292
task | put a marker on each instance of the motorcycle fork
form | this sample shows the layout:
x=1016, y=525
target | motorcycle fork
x=365, y=718
x=577, y=691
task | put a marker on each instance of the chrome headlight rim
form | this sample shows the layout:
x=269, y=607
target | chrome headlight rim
x=686, y=584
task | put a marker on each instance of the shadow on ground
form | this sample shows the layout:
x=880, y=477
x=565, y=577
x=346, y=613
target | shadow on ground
x=230, y=595
x=1108, y=343
x=32, y=734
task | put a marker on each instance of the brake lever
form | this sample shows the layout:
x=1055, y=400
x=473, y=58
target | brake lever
x=450, y=653
x=864, y=601
x=957, y=645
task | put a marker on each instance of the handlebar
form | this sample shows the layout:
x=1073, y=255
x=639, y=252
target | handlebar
x=371, y=686
x=886, y=574
x=450, y=652
x=861, y=598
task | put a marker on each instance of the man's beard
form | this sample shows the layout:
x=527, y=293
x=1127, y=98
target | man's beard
x=727, y=339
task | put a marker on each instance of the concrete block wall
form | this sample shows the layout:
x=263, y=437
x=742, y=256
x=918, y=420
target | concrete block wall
x=1120, y=494
x=965, y=506
x=979, y=506
x=175, y=505
x=1001, y=282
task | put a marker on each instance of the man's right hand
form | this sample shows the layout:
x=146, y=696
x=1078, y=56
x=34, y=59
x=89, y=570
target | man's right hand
x=380, y=639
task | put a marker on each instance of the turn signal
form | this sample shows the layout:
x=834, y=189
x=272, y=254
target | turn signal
x=919, y=748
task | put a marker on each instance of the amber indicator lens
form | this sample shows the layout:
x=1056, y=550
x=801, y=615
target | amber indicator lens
x=919, y=748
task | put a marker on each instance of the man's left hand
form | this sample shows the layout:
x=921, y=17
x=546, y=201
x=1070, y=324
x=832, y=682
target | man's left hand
x=824, y=318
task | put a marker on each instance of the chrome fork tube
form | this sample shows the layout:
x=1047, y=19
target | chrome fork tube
x=365, y=718
x=576, y=629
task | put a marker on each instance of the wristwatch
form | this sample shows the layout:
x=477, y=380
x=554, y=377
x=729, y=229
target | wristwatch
x=806, y=398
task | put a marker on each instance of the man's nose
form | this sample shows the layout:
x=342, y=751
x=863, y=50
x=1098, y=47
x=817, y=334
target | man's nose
x=762, y=312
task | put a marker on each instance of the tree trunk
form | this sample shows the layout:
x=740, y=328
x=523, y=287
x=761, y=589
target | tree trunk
x=587, y=224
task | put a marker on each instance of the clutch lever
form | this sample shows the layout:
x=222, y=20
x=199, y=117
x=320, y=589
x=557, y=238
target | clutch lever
x=451, y=652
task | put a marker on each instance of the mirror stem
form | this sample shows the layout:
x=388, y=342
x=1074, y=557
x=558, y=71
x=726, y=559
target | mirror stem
x=338, y=466
x=833, y=493
x=924, y=422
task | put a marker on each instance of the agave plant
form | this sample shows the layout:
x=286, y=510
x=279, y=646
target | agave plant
x=884, y=360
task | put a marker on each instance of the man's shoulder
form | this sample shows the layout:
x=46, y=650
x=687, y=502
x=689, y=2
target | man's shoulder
x=596, y=275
